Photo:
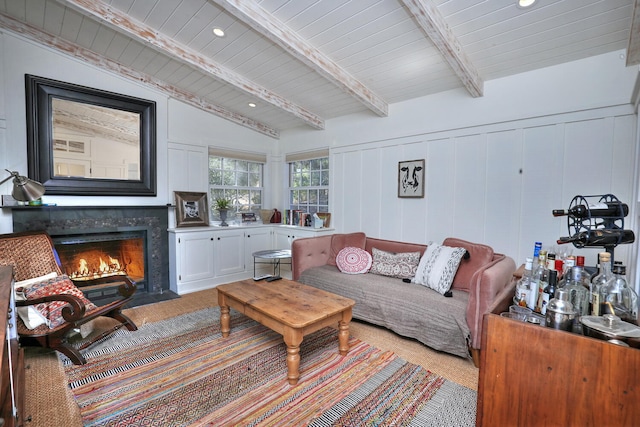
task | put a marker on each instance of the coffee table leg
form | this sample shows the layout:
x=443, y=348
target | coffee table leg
x=343, y=332
x=293, y=339
x=225, y=327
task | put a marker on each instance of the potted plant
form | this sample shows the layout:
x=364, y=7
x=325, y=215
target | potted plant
x=222, y=206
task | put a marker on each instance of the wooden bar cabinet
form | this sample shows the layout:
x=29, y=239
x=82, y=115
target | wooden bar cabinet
x=532, y=375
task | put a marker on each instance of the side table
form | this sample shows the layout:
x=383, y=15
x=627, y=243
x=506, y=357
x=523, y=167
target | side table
x=274, y=257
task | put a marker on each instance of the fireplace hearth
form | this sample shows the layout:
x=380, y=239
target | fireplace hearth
x=94, y=242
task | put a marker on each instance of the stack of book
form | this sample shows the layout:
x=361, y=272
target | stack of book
x=296, y=217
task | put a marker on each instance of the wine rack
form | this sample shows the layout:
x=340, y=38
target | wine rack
x=596, y=221
x=590, y=222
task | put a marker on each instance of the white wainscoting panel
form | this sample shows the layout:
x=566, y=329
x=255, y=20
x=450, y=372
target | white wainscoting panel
x=490, y=184
x=503, y=209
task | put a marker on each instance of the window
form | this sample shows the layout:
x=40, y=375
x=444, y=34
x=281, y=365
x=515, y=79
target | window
x=309, y=185
x=240, y=181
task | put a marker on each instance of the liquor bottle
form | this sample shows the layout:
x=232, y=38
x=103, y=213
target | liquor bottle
x=585, y=277
x=578, y=293
x=618, y=298
x=599, y=281
x=536, y=259
x=540, y=278
x=527, y=288
x=549, y=291
x=600, y=237
x=569, y=262
x=536, y=250
x=601, y=210
x=551, y=261
x=559, y=267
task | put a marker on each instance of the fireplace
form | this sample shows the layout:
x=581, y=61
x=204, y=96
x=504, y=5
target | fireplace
x=88, y=257
x=94, y=242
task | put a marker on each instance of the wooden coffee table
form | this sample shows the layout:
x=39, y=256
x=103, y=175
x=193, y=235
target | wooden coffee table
x=290, y=309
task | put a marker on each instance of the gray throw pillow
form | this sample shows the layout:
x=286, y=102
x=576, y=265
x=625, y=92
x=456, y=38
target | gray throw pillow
x=402, y=265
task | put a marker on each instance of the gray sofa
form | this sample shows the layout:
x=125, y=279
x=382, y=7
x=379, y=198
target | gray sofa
x=452, y=325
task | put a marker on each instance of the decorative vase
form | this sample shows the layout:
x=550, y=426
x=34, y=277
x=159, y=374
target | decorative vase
x=223, y=217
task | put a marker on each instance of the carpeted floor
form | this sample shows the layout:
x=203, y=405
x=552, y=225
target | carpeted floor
x=50, y=403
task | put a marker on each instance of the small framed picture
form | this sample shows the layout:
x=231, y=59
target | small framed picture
x=192, y=209
x=411, y=178
x=326, y=219
x=249, y=217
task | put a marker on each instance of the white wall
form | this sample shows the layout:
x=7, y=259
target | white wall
x=495, y=166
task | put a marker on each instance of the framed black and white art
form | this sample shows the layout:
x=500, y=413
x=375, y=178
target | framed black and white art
x=411, y=178
x=192, y=209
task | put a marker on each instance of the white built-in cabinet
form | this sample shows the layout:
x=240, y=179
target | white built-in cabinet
x=191, y=261
x=257, y=239
x=187, y=167
x=229, y=252
x=204, y=257
x=187, y=170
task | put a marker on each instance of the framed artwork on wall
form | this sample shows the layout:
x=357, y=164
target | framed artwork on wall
x=192, y=209
x=411, y=178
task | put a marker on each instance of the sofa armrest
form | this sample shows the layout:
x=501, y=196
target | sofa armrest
x=486, y=286
x=309, y=252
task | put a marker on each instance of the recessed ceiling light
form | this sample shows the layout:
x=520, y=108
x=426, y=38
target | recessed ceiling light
x=218, y=32
x=525, y=3
x=252, y=104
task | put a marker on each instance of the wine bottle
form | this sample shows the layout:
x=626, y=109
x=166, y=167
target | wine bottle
x=599, y=237
x=602, y=209
x=549, y=291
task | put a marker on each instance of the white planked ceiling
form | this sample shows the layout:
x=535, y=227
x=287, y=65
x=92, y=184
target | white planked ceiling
x=306, y=61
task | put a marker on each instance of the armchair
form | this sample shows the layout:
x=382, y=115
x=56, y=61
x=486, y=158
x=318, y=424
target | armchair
x=32, y=256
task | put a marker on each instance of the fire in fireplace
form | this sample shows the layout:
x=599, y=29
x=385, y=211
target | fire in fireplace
x=91, y=256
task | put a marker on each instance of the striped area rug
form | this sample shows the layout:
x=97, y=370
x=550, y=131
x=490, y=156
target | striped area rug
x=181, y=372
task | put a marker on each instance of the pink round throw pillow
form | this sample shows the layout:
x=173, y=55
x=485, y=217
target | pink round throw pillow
x=352, y=260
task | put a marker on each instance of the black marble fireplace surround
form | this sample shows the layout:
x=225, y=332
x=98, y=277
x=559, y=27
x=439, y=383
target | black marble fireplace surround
x=70, y=221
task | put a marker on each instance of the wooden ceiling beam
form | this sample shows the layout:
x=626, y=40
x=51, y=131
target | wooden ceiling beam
x=270, y=27
x=633, y=49
x=434, y=25
x=179, y=52
x=93, y=58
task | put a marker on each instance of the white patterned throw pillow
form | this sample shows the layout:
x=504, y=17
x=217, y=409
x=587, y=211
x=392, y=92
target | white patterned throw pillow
x=438, y=266
x=352, y=260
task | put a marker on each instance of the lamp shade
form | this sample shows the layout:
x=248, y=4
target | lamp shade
x=24, y=189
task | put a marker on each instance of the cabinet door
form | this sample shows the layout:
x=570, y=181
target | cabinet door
x=229, y=252
x=195, y=252
x=283, y=238
x=257, y=239
x=187, y=167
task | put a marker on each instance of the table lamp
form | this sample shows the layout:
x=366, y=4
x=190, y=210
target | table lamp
x=24, y=189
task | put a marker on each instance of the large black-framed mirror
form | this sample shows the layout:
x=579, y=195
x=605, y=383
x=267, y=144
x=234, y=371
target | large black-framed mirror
x=83, y=141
